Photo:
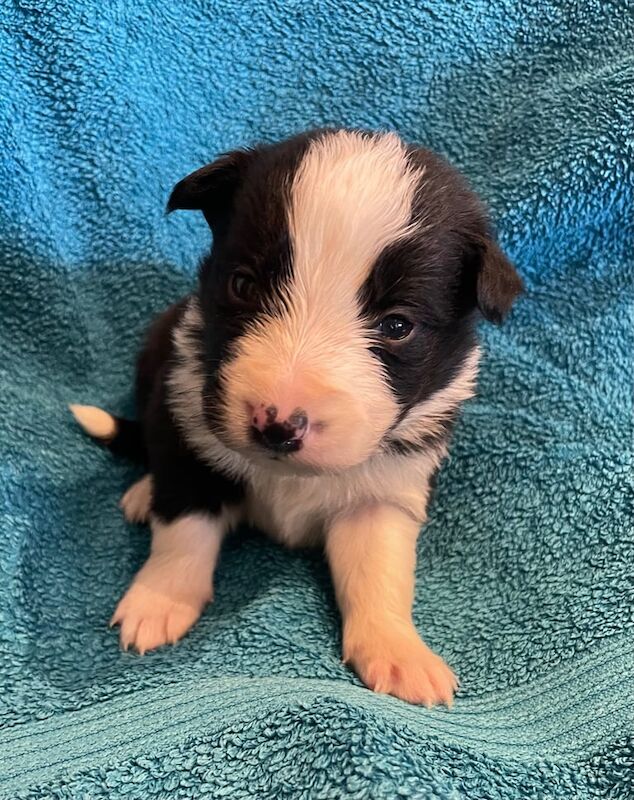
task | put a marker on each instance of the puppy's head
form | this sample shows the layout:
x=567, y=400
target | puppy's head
x=340, y=295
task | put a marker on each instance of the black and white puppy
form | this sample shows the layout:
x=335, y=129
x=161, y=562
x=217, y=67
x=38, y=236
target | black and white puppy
x=309, y=384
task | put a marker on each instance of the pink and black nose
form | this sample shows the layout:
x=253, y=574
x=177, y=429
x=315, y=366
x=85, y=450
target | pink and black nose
x=278, y=435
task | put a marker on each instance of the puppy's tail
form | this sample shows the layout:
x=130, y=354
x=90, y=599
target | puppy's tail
x=123, y=437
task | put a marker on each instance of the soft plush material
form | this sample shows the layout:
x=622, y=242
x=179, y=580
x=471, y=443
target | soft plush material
x=525, y=574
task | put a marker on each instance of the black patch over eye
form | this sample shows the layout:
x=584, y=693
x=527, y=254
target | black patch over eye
x=395, y=327
x=243, y=288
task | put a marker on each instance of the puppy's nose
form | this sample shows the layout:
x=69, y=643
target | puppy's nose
x=280, y=436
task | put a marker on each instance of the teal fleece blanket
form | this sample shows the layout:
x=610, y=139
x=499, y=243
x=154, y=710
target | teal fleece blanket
x=525, y=574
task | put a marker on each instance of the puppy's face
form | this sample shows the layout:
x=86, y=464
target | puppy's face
x=339, y=295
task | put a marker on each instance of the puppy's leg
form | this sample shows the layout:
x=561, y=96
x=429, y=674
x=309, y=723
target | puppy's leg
x=372, y=556
x=192, y=506
x=174, y=585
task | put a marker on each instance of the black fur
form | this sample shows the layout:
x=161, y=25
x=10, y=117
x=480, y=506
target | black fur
x=419, y=279
x=181, y=481
x=129, y=441
x=256, y=239
x=438, y=278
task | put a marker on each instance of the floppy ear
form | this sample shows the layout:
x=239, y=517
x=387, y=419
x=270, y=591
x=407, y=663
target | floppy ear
x=489, y=281
x=211, y=188
x=497, y=284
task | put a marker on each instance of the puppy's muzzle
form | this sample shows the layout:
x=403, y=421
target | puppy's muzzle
x=279, y=436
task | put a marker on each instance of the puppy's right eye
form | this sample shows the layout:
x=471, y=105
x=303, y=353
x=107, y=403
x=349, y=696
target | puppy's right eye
x=243, y=288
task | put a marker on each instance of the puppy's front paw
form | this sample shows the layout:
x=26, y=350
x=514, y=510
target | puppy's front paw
x=400, y=664
x=157, y=609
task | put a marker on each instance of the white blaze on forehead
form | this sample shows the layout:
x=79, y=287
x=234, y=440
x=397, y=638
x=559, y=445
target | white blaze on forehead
x=351, y=197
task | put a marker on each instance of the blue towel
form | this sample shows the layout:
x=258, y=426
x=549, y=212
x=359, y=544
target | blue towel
x=525, y=573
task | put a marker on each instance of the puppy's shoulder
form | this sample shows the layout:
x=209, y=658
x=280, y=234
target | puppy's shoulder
x=157, y=351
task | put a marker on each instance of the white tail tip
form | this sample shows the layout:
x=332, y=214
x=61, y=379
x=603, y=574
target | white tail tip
x=95, y=421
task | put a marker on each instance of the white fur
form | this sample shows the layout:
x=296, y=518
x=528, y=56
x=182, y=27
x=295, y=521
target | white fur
x=95, y=421
x=351, y=197
x=372, y=556
x=296, y=509
x=137, y=501
x=172, y=588
x=185, y=397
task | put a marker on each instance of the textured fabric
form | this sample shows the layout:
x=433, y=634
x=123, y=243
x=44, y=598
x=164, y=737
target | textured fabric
x=525, y=574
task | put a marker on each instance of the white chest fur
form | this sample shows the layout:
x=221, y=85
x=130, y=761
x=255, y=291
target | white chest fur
x=295, y=509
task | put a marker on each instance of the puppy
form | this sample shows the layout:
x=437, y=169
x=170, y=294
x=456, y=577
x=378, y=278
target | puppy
x=309, y=384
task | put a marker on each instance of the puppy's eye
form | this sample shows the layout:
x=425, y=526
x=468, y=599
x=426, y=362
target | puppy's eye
x=242, y=287
x=395, y=327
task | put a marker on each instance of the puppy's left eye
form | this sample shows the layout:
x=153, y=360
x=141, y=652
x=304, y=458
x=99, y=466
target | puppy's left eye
x=395, y=327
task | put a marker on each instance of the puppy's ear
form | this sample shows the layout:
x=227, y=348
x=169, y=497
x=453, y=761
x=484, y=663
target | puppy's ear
x=497, y=284
x=211, y=188
x=489, y=280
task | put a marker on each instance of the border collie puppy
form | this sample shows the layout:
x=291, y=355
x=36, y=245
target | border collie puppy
x=309, y=384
